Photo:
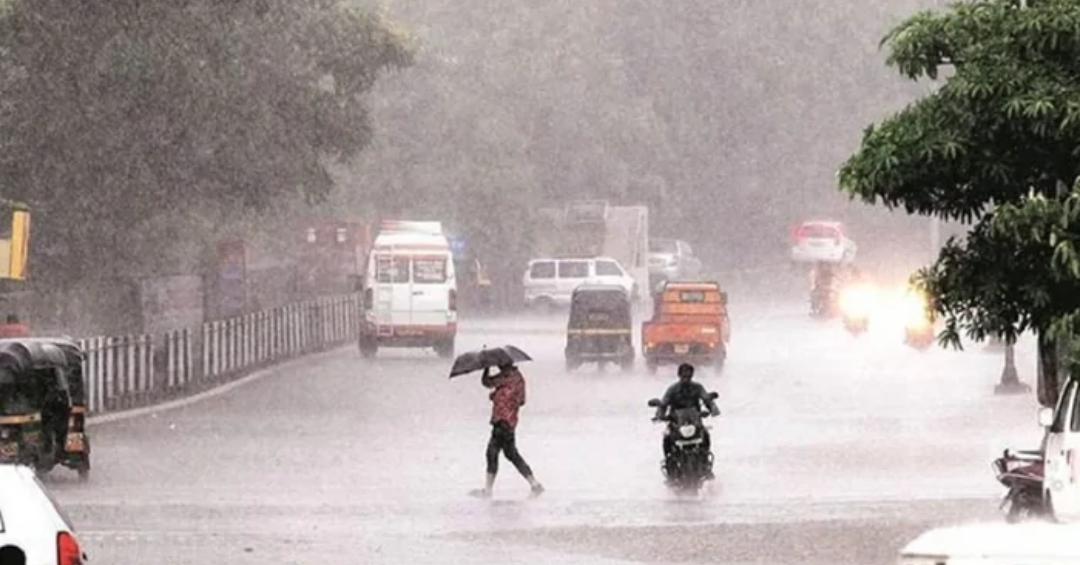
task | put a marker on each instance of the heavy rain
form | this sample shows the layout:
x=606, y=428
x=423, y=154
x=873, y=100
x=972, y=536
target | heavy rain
x=244, y=245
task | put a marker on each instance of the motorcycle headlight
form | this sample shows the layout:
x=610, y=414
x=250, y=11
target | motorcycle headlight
x=687, y=430
x=856, y=301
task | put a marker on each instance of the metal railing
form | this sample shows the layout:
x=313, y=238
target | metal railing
x=139, y=370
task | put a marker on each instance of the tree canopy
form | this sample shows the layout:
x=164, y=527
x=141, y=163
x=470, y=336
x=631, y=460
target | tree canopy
x=122, y=119
x=1004, y=125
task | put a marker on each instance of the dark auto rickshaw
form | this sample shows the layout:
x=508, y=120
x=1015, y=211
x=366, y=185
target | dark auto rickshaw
x=600, y=329
x=43, y=404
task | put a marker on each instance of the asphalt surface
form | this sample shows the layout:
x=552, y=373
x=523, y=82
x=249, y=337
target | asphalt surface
x=830, y=449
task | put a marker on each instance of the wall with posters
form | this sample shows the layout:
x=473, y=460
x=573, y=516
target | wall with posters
x=231, y=284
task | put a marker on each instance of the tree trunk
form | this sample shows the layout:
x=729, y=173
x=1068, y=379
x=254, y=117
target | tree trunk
x=1009, y=376
x=1049, y=384
x=1010, y=379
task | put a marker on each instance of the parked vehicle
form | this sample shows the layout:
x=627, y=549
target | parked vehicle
x=822, y=242
x=994, y=544
x=671, y=259
x=43, y=405
x=1021, y=472
x=1061, y=459
x=600, y=328
x=33, y=523
x=550, y=283
x=410, y=296
x=690, y=324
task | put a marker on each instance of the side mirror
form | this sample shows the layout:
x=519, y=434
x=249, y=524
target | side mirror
x=1046, y=417
x=654, y=403
x=723, y=298
x=713, y=396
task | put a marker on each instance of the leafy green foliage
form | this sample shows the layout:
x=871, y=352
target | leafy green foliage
x=120, y=118
x=1004, y=122
x=989, y=147
x=1049, y=228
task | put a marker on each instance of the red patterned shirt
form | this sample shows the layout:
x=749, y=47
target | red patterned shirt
x=508, y=398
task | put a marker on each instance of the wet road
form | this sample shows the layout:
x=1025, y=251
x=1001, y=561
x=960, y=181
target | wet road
x=831, y=449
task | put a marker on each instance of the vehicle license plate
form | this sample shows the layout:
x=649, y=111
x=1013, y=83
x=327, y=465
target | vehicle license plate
x=682, y=348
x=74, y=443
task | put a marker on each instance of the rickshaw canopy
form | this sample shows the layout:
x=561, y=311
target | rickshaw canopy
x=600, y=306
x=23, y=355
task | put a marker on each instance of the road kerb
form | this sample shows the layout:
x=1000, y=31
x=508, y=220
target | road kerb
x=207, y=394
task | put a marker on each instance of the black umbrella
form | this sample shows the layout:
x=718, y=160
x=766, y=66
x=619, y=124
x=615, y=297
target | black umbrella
x=485, y=358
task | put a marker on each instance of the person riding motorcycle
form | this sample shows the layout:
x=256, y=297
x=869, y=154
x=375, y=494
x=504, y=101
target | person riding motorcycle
x=685, y=394
x=822, y=289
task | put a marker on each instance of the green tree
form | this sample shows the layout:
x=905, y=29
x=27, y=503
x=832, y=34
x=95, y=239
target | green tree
x=1047, y=230
x=125, y=124
x=509, y=107
x=1004, y=124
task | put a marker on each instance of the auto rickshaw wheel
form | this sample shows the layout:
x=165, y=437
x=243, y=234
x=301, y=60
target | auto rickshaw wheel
x=719, y=360
x=627, y=364
x=545, y=305
x=445, y=349
x=572, y=364
x=84, y=466
x=368, y=348
x=41, y=469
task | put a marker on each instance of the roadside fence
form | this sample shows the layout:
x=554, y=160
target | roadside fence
x=131, y=371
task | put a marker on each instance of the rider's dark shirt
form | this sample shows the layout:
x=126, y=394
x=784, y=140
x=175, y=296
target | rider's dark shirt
x=682, y=395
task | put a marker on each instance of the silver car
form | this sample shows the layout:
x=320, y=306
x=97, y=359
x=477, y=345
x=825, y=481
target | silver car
x=671, y=259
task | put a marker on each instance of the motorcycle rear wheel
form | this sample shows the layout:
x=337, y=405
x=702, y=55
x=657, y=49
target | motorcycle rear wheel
x=1020, y=511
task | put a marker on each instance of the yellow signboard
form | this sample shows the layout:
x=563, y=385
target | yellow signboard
x=14, y=240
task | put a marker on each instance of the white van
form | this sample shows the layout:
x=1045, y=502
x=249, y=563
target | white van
x=551, y=282
x=410, y=290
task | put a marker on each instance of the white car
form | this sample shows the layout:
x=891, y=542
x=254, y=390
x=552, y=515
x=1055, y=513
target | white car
x=31, y=522
x=822, y=242
x=1029, y=543
x=1061, y=478
x=551, y=282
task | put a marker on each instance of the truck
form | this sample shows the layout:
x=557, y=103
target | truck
x=330, y=254
x=595, y=228
x=690, y=324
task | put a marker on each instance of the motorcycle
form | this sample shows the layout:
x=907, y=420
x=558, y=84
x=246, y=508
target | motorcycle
x=855, y=303
x=822, y=303
x=856, y=324
x=1022, y=473
x=920, y=338
x=689, y=462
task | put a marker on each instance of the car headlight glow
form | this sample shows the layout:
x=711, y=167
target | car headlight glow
x=687, y=430
x=856, y=301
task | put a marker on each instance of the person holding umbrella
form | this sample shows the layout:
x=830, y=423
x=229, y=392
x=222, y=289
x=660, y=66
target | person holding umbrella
x=507, y=398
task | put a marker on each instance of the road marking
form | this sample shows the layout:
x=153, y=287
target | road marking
x=216, y=391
